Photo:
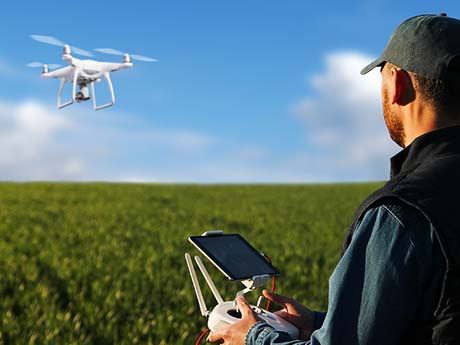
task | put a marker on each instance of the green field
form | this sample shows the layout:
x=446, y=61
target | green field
x=104, y=263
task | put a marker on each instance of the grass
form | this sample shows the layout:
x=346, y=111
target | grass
x=103, y=263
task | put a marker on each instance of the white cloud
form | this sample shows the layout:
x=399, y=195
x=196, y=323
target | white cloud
x=29, y=147
x=344, y=125
x=221, y=171
x=40, y=142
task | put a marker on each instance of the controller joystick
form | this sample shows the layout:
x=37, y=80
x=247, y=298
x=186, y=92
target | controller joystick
x=234, y=313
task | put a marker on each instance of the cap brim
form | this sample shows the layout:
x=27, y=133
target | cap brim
x=372, y=65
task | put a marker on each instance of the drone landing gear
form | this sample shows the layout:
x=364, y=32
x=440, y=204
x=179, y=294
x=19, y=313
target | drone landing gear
x=112, y=95
x=83, y=94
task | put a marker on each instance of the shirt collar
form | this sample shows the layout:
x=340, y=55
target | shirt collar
x=426, y=146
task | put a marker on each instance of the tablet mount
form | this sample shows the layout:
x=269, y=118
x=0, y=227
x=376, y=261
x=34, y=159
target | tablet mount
x=226, y=312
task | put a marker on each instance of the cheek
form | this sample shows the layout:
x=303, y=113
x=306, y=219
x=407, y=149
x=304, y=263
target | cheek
x=383, y=95
x=383, y=87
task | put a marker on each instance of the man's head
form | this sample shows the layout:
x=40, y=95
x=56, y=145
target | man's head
x=420, y=74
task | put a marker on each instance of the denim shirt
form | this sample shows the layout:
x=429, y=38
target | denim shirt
x=387, y=281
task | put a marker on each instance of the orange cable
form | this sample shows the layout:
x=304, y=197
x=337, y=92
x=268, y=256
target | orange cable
x=202, y=335
x=273, y=282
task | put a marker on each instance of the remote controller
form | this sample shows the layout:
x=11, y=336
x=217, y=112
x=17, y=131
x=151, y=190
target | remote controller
x=226, y=313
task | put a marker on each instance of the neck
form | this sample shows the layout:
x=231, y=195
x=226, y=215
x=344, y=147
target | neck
x=420, y=118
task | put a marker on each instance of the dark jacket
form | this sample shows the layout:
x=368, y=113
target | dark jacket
x=426, y=175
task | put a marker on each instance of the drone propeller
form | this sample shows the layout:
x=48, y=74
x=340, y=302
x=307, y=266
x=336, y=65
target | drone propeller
x=40, y=64
x=55, y=42
x=112, y=51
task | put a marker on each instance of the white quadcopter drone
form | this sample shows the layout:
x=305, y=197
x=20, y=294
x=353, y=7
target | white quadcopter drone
x=84, y=73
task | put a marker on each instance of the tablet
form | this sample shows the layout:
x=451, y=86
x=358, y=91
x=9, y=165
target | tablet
x=233, y=256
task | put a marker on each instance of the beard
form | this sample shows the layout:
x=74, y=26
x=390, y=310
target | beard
x=394, y=124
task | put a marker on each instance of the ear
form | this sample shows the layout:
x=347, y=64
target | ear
x=401, y=88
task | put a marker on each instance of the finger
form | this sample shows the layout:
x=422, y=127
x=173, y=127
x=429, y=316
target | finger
x=294, y=319
x=244, y=307
x=278, y=299
x=282, y=313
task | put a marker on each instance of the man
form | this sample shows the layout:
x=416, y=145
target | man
x=398, y=281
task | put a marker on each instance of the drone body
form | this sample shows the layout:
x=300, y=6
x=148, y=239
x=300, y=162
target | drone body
x=84, y=73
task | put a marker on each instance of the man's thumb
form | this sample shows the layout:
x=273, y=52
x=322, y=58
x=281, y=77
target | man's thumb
x=243, y=306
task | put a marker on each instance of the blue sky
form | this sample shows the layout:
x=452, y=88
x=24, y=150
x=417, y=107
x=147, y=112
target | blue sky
x=244, y=91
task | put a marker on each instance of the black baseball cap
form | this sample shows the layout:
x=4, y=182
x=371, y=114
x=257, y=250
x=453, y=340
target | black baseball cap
x=425, y=45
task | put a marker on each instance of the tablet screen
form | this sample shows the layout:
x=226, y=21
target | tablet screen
x=234, y=256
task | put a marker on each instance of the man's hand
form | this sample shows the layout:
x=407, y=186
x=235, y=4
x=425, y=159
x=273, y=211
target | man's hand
x=236, y=334
x=294, y=312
